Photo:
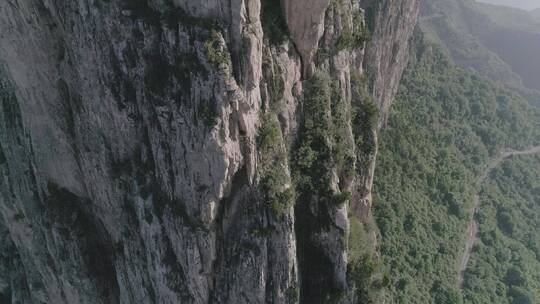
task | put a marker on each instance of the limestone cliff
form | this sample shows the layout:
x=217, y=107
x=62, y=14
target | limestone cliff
x=182, y=151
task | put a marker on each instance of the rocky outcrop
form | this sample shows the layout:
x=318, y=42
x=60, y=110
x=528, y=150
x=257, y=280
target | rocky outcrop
x=386, y=59
x=168, y=152
x=392, y=23
x=305, y=20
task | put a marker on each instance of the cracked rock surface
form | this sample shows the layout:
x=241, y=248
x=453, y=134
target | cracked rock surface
x=133, y=160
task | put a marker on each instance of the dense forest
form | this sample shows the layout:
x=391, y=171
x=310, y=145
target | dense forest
x=446, y=125
x=505, y=266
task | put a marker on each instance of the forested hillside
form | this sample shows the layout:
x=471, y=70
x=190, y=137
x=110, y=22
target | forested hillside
x=446, y=125
x=505, y=266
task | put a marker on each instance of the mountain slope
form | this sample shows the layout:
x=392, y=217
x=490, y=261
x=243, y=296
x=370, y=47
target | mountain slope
x=473, y=229
x=505, y=265
x=499, y=42
x=445, y=126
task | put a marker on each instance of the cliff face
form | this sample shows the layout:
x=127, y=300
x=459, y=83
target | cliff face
x=188, y=151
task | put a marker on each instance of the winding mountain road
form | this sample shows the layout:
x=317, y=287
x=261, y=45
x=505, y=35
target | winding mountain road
x=472, y=230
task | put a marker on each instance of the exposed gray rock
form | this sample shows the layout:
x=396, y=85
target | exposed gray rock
x=305, y=19
x=131, y=164
x=386, y=59
x=393, y=23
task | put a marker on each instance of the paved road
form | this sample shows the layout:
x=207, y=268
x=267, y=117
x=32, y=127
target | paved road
x=472, y=230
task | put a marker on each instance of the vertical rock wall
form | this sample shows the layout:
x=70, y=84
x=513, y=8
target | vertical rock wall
x=172, y=152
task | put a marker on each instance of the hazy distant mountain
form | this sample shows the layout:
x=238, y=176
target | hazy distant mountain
x=508, y=17
x=499, y=42
x=514, y=36
x=523, y=4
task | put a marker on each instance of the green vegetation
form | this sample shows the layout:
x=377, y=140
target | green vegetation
x=365, y=118
x=275, y=182
x=325, y=142
x=445, y=125
x=273, y=76
x=214, y=49
x=352, y=36
x=324, y=148
x=365, y=269
x=356, y=37
x=208, y=114
x=314, y=153
x=505, y=265
x=273, y=22
x=269, y=134
x=343, y=146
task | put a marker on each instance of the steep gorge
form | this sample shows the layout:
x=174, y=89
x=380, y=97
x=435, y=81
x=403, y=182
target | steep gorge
x=191, y=151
